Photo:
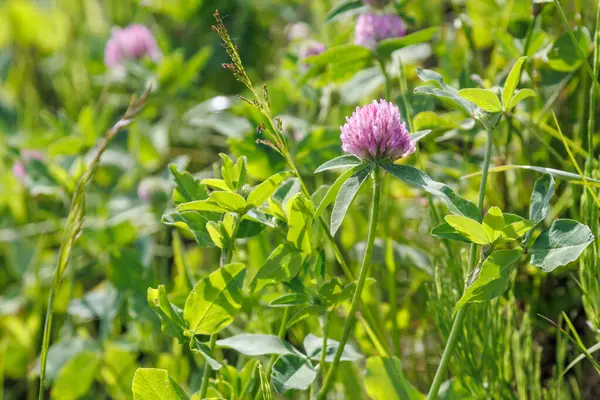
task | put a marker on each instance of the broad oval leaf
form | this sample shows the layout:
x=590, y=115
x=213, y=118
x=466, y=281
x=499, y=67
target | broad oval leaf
x=203, y=349
x=483, y=98
x=156, y=384
x=512, y=81
x=258, y=345
x=171, y=316
x=229, y=201
x=385, y=380
x=563, y=56
x=283, y=264
x=491, y=279
x=561, y=244
x=347, y=194
x=517, y=229
x=292, y=372
x=472, y=230
x=543, y=190
x=345, y=161
x=215, y=300
x=421, y=180
x=313, y=346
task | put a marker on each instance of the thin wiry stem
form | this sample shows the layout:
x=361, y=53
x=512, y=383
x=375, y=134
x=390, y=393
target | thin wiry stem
x=75, y=222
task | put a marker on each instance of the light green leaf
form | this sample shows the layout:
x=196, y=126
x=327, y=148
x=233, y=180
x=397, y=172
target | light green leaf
x=333, y=191
x=543, y=191
x=445, y=231
x=421, y=180
x=520, y=96
x=66, y=146
x=215, y=300
x=344, y=161
x=346, y=196
x=484, y=98
x=258, y=345
x=201, y=205
x=339, y=55
x=387, y=46
x=517, y=229
x=76, y=377
x=512, y=81
x=493, y=224
x=263, y=191
x=561, y=244
x=156, y=384
x=385, y=380
x=292, y=372
x=229, y=201
x=313, y=346
x=217, y=184
x=172, y=322
x=300, y=212
x=491, y=279
x=283, y=264
x=216, y=235
x=187, y=188
x=193, y=222
x=265, y=388
x=469, y=228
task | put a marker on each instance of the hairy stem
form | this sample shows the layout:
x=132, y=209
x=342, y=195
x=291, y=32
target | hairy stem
x=461, y=314
x=364, y=272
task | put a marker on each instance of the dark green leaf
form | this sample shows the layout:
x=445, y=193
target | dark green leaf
x=283, y=264
x=187, y=188
x=421, y=180
x=172, y=322
x=346, y=196
x=258, y=345
x=561, y=244
x=203, y=349
x=563, y=55
x=291, y=299
x=345, y=161
x=342, y=8
x=292, y=372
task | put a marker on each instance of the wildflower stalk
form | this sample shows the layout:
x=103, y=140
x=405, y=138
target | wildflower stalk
x=226, y=256
x=462, y=312
x=278, y=142
x=75, y=222
x=364, y=272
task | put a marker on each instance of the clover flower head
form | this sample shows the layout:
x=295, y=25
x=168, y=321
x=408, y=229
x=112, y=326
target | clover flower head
x=372, y=28
x=376, y=131
x=130, y=43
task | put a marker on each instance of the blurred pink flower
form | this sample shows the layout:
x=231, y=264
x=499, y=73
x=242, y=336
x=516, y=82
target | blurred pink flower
x=18, y=170
x=130, y=43
x=372, y=28
x=311, y=48
x=376, y=131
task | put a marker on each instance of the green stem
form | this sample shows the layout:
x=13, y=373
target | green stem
x=461, y=314
x=226, y=257
x=388, y=83
x=364, y=272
